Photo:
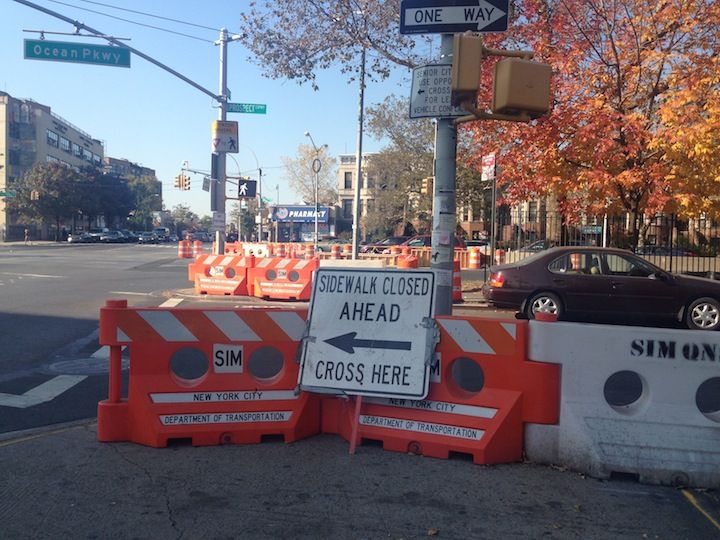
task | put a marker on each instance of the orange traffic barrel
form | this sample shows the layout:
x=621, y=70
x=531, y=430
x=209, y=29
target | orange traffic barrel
x=499, y=256
x=457, y=282
x=197, y=248
x=335, y=250
x=474, y=258
x=309, y=251
x=184, y=251
x=407, y=261
x=347, y=250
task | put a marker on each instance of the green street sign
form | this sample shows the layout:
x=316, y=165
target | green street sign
x=249, y=108
x=80, y=53
x=8, y=194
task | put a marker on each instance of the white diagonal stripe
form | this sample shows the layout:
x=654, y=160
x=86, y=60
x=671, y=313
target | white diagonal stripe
x=232, y=326
x=47, y=391
x=227, y=260
x=292, y=323
x=466, y=336
x=284, y=263
x=165, y=324
x=263, y=263
x=511, y=329
x=302, y=264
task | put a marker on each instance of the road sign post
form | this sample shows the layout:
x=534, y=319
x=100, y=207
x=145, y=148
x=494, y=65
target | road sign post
x=370, y=333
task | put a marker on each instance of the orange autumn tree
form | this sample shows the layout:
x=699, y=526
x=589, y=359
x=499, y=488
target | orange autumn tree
x=635, y=110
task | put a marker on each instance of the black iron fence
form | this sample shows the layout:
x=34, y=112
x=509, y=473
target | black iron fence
x=683, y=246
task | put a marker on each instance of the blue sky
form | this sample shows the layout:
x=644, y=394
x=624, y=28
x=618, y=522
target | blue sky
x=150, y=117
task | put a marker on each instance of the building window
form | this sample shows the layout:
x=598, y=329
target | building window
x=532, y=211
x=370, y=182
x=76, y=150
x=52, y=138
x=25, y=113
x=97, y=160
x=51, y=159
x=64, y=144
x=87, y=155
x=347, y=208
x=16, y=112
x=360, y=208
x=348, y=180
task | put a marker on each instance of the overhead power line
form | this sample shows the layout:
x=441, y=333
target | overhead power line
x=151, y=15
x=131, y=21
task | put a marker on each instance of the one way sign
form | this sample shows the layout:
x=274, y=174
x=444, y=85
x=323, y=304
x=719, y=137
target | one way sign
x=453, y=16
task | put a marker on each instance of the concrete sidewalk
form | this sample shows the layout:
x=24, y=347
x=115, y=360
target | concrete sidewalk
x=62, y=483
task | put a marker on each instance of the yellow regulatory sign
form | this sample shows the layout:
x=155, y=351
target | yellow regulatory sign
x=224, y=136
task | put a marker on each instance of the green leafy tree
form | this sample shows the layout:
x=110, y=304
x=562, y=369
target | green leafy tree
x=146, y=196
x=112, y=195
x=60, y=192
x=184, y=218
x=398, y=169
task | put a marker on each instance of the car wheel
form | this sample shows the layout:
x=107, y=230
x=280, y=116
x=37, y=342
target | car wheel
x=703, y=314
x=544, y=302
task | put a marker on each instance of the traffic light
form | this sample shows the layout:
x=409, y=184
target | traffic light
x=427, y=185
x=178, y=181
x=34, y=195
x=465, y=75
x=185, y=183
x=521, y=87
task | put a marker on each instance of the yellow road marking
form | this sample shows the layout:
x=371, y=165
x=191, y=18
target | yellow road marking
x=690, y=497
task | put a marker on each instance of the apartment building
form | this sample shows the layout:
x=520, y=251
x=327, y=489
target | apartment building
x=347, y=180
x=31, y=133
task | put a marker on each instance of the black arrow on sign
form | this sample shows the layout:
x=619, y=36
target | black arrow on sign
x=421, y=92
x=347, y=343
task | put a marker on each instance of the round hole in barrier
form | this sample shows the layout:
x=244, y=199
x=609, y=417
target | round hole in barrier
x=624, y=391
x=467, y=375
x=707, y=399
x=188, y=365
x=271, y=275
x=266, y=363
x=230, y=273
x=293, y=275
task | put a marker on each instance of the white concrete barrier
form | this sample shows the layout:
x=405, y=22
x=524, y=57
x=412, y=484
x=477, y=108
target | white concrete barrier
x=644, y=401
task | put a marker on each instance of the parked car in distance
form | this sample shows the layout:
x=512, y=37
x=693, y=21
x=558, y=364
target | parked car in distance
x=606, y=284
x=129, y=235
x=147, y=238
x=95, y=234
x=112, y=237
x=379, y=247
x=81, y=237
x=325, y=245
x=162, y=234
x=664, y=251
x=425, y=240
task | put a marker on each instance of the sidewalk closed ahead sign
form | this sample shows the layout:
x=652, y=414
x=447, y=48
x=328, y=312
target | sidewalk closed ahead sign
x=370, y=333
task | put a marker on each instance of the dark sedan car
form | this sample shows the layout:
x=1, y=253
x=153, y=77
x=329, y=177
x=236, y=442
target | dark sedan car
x=379, y=247
x=611, y=284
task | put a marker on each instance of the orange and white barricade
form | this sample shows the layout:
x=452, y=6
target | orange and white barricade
x=482, y=392
x=283, y=279
x=233, y=248
x=347, y=251
x=210, y=376
x=226, y=275
x=335, y=251
x=184, y=249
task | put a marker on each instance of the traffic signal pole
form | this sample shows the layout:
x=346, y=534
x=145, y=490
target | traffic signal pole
x=217, y=188
x=444, y=217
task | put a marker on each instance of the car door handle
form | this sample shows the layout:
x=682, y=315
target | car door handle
x=616, y=285
x=558, y=281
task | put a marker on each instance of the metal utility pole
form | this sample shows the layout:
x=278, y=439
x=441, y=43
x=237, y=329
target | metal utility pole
x=444, y=218
x=358, y=182
x=217, y=189
x=260, y=206
x=316, y=167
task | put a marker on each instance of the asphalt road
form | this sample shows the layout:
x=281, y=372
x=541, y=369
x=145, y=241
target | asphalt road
x=63, y=483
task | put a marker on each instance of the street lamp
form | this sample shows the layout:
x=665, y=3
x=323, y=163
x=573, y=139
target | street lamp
x=316, y=166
